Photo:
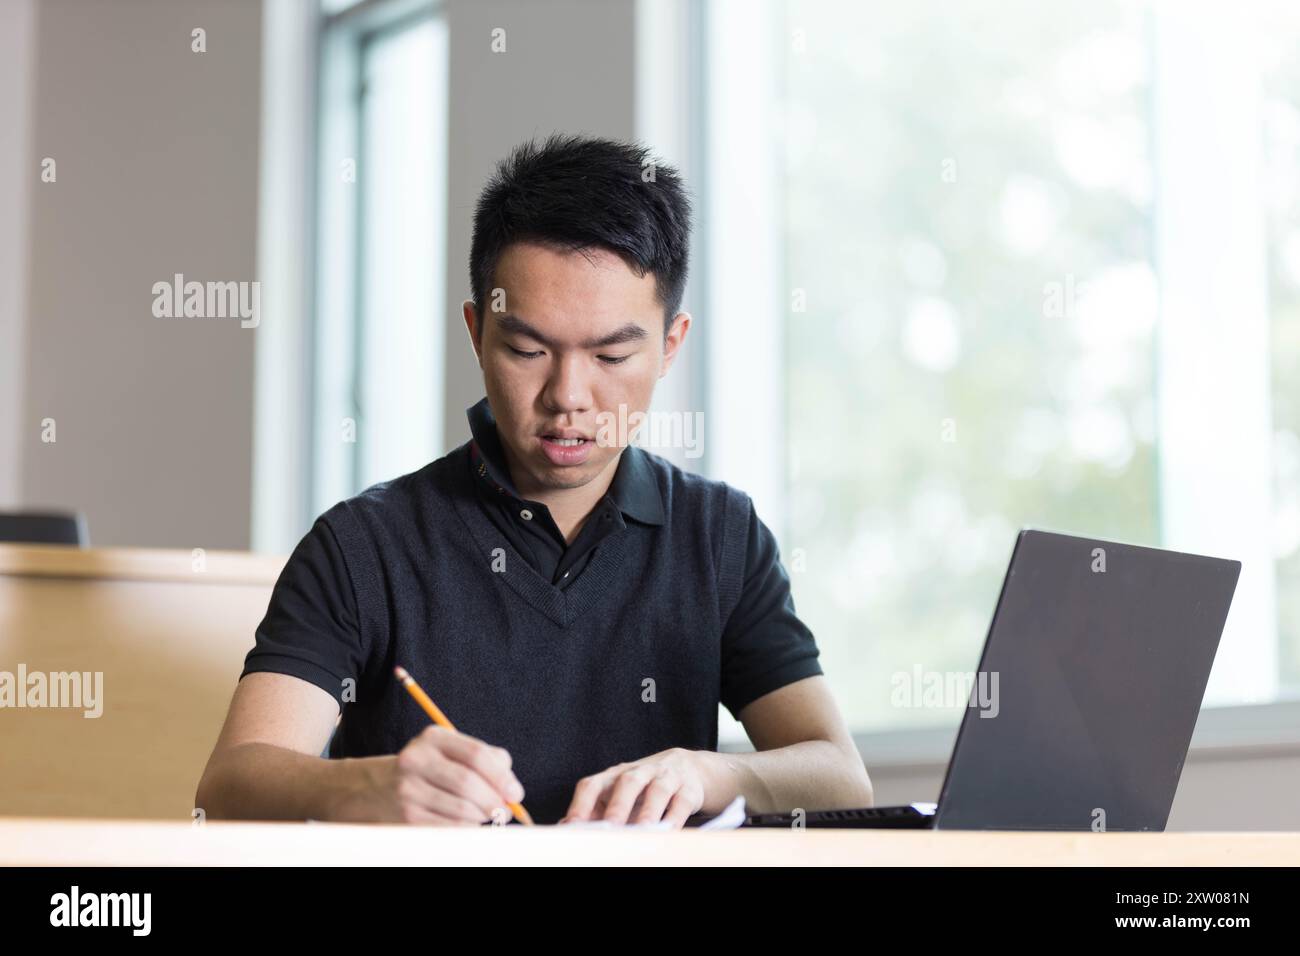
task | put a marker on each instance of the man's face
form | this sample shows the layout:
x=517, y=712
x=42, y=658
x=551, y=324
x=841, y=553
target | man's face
x=578, y=335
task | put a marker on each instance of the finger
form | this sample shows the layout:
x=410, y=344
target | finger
x=587, y=796
x=624, y=793
x=425, y=759
x=460, y=782
x=422, y=802
x=462, y=809
x=679, y=809
x=490, y=762
x=655, y=797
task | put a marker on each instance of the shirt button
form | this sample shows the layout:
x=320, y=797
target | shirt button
x=526, y=515
x=566, y=574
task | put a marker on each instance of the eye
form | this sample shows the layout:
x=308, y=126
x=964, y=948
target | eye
x=614, y=360
x=522, y=354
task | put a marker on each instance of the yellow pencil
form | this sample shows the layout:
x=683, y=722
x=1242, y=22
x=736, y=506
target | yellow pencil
x=439, y=718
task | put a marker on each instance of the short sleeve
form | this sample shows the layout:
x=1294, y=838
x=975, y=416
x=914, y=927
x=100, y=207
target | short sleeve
x=765, y=645
x=311, y=628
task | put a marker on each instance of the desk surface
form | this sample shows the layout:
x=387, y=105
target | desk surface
x=53, y=842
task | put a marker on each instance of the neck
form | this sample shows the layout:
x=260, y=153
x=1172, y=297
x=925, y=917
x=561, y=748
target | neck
x=569, y=507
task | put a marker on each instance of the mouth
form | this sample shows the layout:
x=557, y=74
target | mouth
x=566, y=438
x=566, y=447
x=564, y=442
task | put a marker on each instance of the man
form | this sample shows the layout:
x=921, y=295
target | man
x=577, y=607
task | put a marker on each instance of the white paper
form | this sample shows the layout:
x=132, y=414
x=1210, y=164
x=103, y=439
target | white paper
x=731, y=818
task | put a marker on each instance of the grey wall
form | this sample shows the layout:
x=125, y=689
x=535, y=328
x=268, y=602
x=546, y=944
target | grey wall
x=156, y=152
x=569, y=66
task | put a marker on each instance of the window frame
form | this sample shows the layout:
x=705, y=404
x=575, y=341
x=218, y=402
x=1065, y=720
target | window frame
x=336, y=321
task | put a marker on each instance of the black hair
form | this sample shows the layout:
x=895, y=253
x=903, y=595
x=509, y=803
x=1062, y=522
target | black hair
x=575, y=192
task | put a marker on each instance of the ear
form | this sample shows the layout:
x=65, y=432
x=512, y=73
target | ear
x=676, y=335
x=471, y=326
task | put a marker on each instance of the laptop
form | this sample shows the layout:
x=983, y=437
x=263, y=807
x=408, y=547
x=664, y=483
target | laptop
x=1101, y=652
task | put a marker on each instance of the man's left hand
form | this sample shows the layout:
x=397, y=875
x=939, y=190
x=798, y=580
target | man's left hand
x=667, y=786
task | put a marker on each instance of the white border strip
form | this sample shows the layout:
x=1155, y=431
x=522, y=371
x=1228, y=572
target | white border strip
x=284, y=248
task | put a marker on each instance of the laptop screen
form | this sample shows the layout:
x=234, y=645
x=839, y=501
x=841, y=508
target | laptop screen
x=1092, y=676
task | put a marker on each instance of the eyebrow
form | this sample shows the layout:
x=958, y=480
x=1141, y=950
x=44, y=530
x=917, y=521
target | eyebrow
x=631, y=332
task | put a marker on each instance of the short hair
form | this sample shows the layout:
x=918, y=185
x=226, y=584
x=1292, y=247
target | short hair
x=573, y=193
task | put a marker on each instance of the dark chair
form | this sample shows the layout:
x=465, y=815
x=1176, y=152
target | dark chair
x=35, y=527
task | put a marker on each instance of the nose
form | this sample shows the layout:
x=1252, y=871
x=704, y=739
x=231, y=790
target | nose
x=568, y=388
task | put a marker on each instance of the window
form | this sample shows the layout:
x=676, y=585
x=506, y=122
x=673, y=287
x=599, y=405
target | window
x=1006, y=265
x=378, y=362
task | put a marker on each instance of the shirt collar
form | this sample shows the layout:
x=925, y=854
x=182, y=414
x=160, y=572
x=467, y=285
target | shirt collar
x=634, y=489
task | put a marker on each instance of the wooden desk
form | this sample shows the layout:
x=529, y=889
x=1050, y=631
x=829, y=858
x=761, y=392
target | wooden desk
x=49, y=842
x=167, y=629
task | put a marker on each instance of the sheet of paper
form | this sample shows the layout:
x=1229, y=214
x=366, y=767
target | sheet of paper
x=731, y=818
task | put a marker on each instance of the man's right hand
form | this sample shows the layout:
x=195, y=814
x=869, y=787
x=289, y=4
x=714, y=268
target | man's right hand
x=443, y=777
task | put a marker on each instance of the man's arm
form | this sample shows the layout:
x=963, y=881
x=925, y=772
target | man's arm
x=772, y=682
x=804, y=756
x=267, y=765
